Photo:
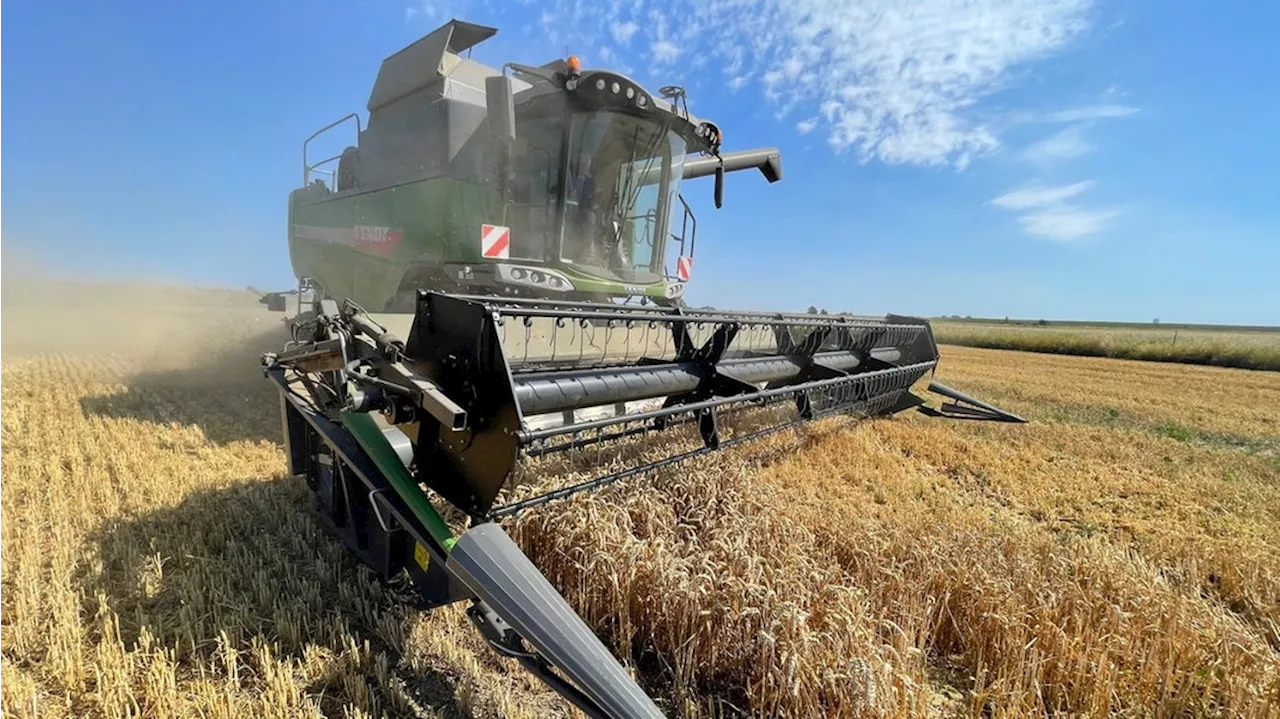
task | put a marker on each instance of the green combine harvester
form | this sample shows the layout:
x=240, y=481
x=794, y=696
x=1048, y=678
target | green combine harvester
x=494, y=273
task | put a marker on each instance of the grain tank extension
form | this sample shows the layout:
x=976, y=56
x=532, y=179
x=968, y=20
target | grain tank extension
x=492, y=275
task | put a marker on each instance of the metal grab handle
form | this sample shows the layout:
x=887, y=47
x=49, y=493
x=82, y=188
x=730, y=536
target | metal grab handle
x=387, y=525
x=307, y=168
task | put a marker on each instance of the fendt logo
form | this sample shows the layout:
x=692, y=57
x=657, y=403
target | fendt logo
x=369, y=238
x=374, y=239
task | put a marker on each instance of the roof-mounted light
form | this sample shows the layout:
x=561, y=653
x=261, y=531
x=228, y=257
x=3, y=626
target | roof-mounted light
x=605, y=89
x=572, y=72
x=710, y=133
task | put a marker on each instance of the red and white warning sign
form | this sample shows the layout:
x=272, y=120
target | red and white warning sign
x=495, y=242
x=684, y=268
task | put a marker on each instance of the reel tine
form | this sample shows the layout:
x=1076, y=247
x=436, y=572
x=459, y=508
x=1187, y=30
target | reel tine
x=581, y=329
x=528, y=337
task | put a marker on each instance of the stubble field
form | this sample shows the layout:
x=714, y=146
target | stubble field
x=1120, y=555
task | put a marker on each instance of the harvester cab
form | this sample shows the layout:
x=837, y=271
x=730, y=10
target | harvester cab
x=458, y=322
x=551, y=181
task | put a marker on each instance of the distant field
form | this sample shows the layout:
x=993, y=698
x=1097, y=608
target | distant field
x=1245, y=347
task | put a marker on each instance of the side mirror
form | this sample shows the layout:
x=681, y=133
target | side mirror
x=500, y=103
x=719, y=185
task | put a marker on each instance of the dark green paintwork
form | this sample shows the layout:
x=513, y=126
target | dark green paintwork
x=440, y=220
x=366, y=432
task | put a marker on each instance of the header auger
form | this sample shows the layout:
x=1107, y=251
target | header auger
x=461, y=317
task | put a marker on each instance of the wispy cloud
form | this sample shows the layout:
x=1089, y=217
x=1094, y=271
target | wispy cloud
x=894, y=80
x=622, y=31
x=1040, y=196
x=665, y=51
x=1065, y=144
x=429, y=11
x=804, y=127
x=1066, y=223
x=1049, y=215
x=1092, y=112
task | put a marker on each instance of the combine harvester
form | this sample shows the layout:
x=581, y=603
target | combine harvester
x=494, y=274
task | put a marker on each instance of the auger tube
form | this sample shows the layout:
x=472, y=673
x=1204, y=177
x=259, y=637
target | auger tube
x=547, y=392
x=767, y=159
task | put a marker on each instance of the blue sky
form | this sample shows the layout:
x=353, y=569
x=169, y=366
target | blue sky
x=1070, y=159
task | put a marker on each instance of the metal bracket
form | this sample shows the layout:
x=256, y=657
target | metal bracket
x=709, y=427
x=432, y=399
x=714, y=382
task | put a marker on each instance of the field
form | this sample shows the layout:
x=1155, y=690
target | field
x=1120, y=555
x=1245, y=347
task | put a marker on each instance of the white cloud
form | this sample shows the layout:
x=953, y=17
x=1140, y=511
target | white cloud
x=1065, y=144
x=1050, y=215
x=895, y=80
x=430, y=11
x=1066, y=222
x=1092, y=112
x=622, y=31
x=804, y=127
x=1040, y=196
x=792, y=67
x=665, y=51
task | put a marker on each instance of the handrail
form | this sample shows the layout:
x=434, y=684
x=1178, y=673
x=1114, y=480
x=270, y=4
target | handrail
x=307, y=168
x=688, y=222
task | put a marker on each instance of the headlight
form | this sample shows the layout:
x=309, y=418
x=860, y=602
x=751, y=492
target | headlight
x=533, y=277
x=606, y=89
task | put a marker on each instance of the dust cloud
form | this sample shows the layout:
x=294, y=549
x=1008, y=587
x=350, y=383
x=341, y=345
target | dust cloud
x=209, y=335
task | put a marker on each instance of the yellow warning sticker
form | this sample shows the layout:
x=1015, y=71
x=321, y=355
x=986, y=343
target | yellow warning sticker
x=421, y=555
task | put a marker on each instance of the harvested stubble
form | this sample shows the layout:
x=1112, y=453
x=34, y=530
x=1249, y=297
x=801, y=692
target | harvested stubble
x=1119, y=556
x=156, y=563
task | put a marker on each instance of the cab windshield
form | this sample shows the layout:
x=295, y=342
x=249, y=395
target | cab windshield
x=623, y=177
